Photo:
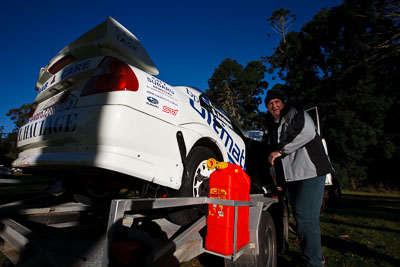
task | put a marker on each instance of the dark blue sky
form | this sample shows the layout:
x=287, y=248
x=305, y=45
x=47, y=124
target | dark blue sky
x=186, y=39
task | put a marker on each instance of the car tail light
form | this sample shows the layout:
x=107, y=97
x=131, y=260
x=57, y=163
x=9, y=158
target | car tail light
x=112, y=75
x=61, y=64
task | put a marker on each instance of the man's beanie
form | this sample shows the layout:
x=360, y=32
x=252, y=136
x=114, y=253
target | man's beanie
x=273, y=95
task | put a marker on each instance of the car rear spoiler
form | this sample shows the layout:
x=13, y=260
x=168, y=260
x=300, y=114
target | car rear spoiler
x=111, y=36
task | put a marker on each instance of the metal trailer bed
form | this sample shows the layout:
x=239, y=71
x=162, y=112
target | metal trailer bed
x=42, y=230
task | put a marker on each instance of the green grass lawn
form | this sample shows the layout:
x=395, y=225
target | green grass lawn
x=362, y=229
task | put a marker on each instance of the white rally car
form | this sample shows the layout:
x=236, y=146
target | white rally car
x=101, y=118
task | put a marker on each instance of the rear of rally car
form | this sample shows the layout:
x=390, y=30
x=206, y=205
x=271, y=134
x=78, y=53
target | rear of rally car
x=94, y=111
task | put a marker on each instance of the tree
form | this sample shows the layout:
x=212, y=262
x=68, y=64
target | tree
x=1, y=132
x=346, y=61
x=281, y=21
x=237, y=90
x=251, y=88
x=19, y=115
x=223, y=86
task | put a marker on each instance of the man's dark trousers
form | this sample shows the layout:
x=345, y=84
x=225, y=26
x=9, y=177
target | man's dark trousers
x=306, y=199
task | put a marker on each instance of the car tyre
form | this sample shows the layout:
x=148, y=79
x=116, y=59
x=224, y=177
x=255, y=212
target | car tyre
x=195, y=185
x=267, y=245
x=282, y=231
x=267, y=241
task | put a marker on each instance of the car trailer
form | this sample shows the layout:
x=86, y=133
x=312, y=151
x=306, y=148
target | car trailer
x=258, y=205
x=47, y=231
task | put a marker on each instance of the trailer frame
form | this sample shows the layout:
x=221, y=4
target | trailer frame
x=257, y=204
x=122, y=213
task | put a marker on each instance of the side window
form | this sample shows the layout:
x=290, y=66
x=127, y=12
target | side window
x=205, y=102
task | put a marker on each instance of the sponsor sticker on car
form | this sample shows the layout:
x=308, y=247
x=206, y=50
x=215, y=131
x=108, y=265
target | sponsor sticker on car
x=160, y=98
x=235, y=152
x=53, y=124
x=70, y=71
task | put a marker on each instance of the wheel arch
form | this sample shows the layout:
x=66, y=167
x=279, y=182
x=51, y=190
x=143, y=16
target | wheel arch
x=208, y=143
x=202, y=150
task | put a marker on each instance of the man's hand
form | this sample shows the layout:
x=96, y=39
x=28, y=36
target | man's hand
x=273, y=156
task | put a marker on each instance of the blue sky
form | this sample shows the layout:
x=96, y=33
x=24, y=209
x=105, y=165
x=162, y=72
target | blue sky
x=186, y=39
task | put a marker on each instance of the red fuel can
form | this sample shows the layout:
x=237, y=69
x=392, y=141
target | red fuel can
x=228, y=181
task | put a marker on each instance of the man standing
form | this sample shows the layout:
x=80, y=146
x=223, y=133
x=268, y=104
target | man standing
x=299, y=155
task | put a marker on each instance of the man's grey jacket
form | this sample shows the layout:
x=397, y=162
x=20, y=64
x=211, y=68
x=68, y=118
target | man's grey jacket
x=303, y=154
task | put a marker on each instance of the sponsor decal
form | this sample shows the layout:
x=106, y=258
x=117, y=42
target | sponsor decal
x=70, y=71
x=158, y=84
x=192, y=96
x=79, y=67
x=235, y=154
x=127, y=40
x=44, y=87
x=152, y=105
x=43, y=114
x=170, y=110
x=51, y=125
x=67, y=104
x=161, y=97
x=152, y=100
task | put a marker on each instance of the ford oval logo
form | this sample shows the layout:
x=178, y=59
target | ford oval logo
x=152, y=100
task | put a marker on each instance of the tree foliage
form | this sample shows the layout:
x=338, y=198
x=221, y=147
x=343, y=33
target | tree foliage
x=238, y=90
x=346, y=61
x=19, y=115
x=7, y=148
x=281, y=21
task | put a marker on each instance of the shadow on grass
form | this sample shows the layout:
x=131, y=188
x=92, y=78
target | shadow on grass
x=356, y=248
x=289, y=260
x=352, y=225
x=373, y=207
x=371, y=201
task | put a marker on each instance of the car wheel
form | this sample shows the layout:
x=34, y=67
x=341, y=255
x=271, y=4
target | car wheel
x=267, y=241
x=194, y=185
x=283, y=233
x=267, y=255
x=200, y=179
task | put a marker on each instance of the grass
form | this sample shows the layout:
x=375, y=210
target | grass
x=362, y=229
